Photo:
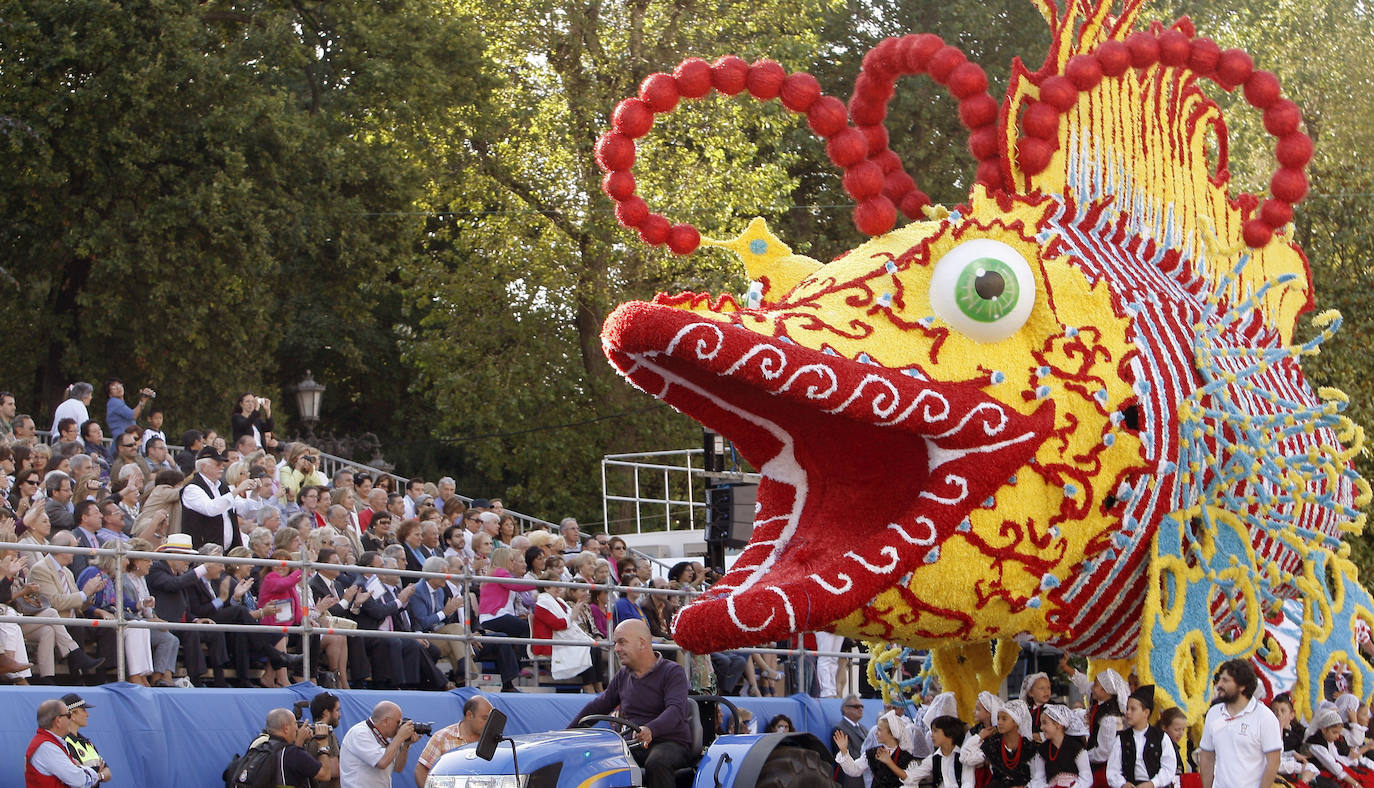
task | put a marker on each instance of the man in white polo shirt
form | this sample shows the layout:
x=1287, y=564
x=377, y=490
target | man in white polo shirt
x=376, y=747
x=1241, y=740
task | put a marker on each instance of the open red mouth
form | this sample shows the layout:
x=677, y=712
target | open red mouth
x=866, y=470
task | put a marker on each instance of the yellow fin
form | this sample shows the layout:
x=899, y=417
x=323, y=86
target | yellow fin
x=766, y=258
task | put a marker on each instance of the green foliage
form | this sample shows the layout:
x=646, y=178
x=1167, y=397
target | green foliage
x=206, y=199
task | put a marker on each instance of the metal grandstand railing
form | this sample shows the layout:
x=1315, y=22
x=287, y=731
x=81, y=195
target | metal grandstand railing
x=466, y=581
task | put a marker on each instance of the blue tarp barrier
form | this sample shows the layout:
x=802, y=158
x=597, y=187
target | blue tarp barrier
x=185, y=737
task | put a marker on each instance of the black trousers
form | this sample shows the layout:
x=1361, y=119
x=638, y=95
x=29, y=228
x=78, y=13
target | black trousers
x=659, y=760
x=506, y=660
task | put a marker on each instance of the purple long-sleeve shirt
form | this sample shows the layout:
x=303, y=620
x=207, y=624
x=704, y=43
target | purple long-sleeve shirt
x=657, y=700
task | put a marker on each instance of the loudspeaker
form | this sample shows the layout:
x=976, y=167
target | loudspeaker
x=730, y=513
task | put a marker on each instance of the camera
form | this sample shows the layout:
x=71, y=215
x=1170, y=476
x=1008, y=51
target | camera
x=422, y=728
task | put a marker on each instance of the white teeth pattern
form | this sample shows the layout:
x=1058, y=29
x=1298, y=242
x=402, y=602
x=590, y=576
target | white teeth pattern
x=928, y=539
x=765, y=364
x=884, y=403
x=846, y=583
x=887, y=550
x=927, y=397
x=957, y=481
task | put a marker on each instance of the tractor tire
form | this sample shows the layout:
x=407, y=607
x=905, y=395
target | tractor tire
x=795, y=767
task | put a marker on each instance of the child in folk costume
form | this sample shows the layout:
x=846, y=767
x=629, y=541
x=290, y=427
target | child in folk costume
x=942, y=705
x=1292, y=765
x=1008, y=754
x=984, y=727
x=1036, y=690
x=1062, y=760
x=1326, y=747
x=945, y=766
x=1140, y=753
x=888, y=761
x=1355, y=717
x=1109, y=692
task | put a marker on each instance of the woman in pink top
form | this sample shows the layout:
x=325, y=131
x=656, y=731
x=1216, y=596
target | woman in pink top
x=282, y=584
x=496, y=609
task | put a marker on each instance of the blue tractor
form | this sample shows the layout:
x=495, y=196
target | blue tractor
x=595, y=757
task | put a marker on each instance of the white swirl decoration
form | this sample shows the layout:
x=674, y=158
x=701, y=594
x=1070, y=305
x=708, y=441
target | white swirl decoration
x=772, y=361
x=711, y=332
x=883, y=403
x=826, y=374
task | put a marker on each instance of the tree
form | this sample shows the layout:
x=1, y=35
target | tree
x=210, y=198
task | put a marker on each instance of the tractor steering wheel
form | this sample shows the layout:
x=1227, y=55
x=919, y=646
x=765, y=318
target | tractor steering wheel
x=624, y=724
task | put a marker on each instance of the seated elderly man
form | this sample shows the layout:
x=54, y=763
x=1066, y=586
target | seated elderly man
x=435, y=608
x=652, y=692
x=53, y=576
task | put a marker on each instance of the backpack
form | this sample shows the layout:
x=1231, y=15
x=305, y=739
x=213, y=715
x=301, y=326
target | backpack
x=257, y=767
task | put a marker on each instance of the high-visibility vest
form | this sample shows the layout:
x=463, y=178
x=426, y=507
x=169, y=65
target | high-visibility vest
x=84, y=751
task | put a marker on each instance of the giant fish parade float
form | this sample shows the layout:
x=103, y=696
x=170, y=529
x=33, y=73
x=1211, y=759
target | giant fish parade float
x=1069, y=410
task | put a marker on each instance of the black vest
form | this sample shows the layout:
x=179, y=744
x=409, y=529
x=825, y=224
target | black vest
x=1154, y=753
x=1096, y=714
x=1008, y=771
x=884, y=777
x=935, y=768
x=204, y=529
x=1061, y=761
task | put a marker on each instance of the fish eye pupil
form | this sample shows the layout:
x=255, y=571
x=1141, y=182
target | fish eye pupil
x=989, y=285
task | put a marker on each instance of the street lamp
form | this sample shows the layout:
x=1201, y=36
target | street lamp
x=308, y=395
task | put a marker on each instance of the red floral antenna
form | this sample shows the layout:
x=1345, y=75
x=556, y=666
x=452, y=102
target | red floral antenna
x=1173, y=48
x=873, y=174
x=947, y=65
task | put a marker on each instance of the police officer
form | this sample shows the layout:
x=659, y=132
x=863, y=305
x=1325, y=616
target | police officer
x=80, y=746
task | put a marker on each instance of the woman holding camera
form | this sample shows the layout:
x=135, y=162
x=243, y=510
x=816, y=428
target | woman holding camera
x=252, y=416
x=301, y=471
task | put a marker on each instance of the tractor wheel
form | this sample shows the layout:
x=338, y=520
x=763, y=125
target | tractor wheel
x=795, y=767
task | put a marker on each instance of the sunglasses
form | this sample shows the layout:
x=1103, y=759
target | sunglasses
x=126, y=445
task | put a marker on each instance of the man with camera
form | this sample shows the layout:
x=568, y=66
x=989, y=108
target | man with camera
x=325, y=710
x=375, y=747
x=291, y=764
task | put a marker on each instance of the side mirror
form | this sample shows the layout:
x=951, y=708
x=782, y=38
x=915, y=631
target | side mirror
x=491, y=735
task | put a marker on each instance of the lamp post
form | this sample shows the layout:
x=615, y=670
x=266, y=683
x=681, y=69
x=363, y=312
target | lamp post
x=308, y=395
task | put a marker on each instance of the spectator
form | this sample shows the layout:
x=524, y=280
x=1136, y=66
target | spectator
x=851, y=724
x=210, y=510
x=295, y=767
x=37, y=528
x=170, y=583
x=434, y=608
x=301, y=471
x=394, y=662
x=161, y=513
x=1241, y=741
x=781, y=723
x=74, y=406
x=650, y=691
x=47, y=755
x=376, y=502
x=415, y=491
x=118, y=415
x=497, y=610
x=25, y=490
x=154, y=430
x=87, y=532
x=220, y=597
x=53, y=577
x=627, y=608
x=14, y=657
x=572, y=538
x=192, y=442
x=887, y=762
x=378, y=535
x=67, y=432
x=126, y=453
x=554, y=618
x=79, y=746
x=338, y=526
x=375, y=746
x=58, y=486
x=25, y=433
x=253, y=417
x=506, y=530
x=164, y=644
x=112, y=523
x=415, y=552
x=8, y=408
x=466, y=731
x=326, y=711
x=93, y=442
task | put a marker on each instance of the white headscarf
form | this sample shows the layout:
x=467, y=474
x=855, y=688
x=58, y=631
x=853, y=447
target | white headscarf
x=1059, y=714
x=1324, y=718
x=942, y=705
x=1346, y=704
x=1028, y=683
x=1079, y=726
x=992, y=703
x=1019, y=711
x=900, y=727
x=1112, y=682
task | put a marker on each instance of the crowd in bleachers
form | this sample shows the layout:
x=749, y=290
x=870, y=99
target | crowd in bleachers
x=245, y=494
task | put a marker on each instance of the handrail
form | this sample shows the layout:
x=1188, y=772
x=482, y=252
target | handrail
x=306, y=628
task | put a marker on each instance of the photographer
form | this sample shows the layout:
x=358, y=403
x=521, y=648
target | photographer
x=118, y=415
x=325, y=710
x=292, y=765
x=378, y=744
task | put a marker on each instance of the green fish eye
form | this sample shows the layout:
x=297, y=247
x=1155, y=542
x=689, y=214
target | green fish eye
x=986, y=290
x=983, y=289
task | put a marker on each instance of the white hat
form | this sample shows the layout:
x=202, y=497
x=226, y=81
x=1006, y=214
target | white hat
x=1324, y=718
x=992, y=703
x=1079, y=726
x=1059, y=713
x=1346, y=705
x=1112, y=682
x=1019, y=711
x=900, y=727
x=942, y=705
x=177, y=543
x=1030, y=681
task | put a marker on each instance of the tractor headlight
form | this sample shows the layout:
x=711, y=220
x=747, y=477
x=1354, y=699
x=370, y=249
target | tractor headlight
x=476, y=781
